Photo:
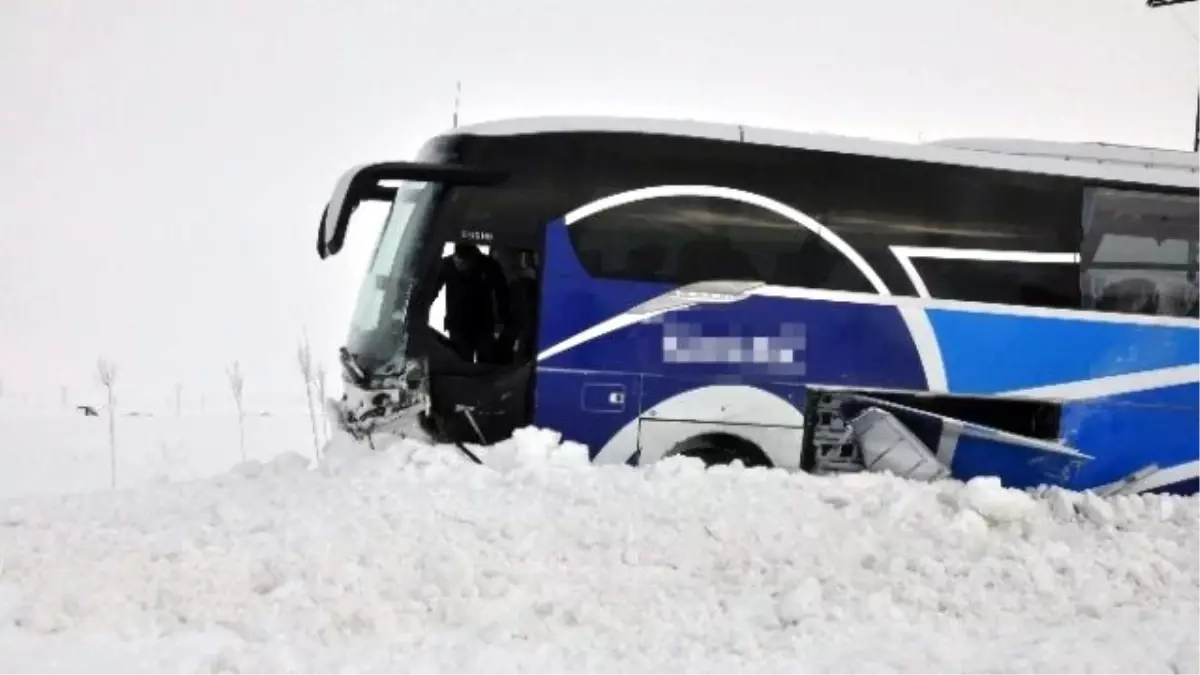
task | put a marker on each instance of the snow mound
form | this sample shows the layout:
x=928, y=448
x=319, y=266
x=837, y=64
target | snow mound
x=413, y=559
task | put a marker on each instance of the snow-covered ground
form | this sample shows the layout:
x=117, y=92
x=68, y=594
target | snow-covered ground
x=410, y=559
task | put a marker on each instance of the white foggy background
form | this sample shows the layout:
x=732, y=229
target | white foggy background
x=163, y=163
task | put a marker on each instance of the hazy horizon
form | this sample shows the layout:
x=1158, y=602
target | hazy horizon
x=164, y=165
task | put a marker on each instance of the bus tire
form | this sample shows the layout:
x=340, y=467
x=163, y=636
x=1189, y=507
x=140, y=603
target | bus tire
x=721, y=448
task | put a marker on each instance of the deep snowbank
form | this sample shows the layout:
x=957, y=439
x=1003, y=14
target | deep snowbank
x=413, y=560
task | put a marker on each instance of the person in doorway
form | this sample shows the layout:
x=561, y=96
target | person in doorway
x=476, y=302
x=516, y=340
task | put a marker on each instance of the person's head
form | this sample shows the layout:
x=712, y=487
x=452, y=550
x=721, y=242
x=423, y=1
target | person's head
x=465, y=255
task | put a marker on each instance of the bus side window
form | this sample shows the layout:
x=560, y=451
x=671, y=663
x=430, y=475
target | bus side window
x=1139, y=253
x=686, y=239
x=720, y=257
x=644, y=257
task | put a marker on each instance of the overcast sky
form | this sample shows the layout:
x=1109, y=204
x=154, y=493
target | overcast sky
x=163, y=163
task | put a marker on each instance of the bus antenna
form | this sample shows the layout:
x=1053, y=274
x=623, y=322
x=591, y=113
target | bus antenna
x=1196, y=127
x=457, y=101
x=1153, y=4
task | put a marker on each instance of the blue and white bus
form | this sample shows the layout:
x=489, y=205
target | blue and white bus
x=1025, y=310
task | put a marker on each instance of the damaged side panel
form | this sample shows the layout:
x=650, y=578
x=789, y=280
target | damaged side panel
x=888, y=445
x=963, y=447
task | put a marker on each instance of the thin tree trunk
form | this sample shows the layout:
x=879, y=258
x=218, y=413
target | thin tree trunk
x=112, y=439
x=242, y=432
x=312, y=418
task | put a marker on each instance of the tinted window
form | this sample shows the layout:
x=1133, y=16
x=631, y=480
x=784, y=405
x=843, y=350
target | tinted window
x=687, y=239
x=1005, y=282
x=946, y=214
x=872, y=203
x=1139, y=253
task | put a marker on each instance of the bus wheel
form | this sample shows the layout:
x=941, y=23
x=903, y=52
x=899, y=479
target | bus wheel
x=719, y=448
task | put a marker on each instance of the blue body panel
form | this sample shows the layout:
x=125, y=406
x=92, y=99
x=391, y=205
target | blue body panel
x=1035, y=351
x=593, y=388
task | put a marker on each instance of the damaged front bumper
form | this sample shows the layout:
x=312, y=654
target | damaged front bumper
x=398, y=407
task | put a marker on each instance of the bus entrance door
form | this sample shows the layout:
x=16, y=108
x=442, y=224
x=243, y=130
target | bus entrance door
x=483, y=408
x=479, y=389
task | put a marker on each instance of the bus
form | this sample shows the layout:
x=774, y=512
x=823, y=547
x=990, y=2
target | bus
x=1018, y=309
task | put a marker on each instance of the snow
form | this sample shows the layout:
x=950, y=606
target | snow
x=410, y=559
x=61, y=452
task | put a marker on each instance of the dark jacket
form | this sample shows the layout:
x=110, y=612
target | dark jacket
x=476, y=298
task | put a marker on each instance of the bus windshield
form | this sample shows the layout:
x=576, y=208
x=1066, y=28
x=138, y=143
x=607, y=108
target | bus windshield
x=378, y=336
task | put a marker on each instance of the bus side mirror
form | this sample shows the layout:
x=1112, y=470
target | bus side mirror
x=362, y=183
x=322, y=238
x=356, y=186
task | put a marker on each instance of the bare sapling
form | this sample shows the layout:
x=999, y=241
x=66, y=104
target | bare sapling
x=304, y=360
x=321, y=399
x=237, y=385
x=107, y=373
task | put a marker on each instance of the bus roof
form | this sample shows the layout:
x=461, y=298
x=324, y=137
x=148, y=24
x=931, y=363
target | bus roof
x=1174, y=168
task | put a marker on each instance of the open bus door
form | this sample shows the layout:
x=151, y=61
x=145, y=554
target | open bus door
x=473, y=401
